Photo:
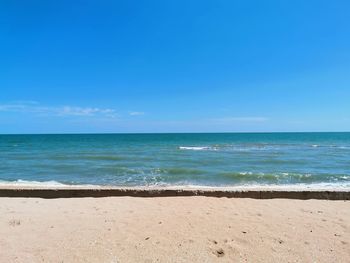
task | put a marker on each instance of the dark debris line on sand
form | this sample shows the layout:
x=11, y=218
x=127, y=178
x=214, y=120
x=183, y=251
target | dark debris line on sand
x=144, y=192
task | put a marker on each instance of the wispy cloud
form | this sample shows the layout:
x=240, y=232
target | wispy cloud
x=36, y=108
x=87, y=111
x=136, y=113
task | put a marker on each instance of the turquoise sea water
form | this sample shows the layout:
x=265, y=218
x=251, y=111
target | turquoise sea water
x=223, y=159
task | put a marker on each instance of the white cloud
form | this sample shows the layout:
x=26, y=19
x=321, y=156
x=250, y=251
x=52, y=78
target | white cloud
x=36, y=108
x=87, y=111
x=136, y=113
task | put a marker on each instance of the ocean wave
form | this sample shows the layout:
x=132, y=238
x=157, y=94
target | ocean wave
x=195, y=148
x=179, y=171
x=283, y=177
x=43, y=184
x=20, y=182
x=298, y=186
x=271, y=186
x=252, y=148
x=331, y=146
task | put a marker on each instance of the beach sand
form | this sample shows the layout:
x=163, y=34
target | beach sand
x=173, y=229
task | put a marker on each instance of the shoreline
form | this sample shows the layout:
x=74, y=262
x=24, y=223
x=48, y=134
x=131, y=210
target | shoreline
x=234, y=187
x=229, y=192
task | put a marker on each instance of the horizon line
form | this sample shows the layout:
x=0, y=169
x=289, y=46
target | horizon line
x=141, y=133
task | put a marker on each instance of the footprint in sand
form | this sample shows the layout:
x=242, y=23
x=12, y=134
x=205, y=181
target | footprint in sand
x=213, y=241
x=14, y=222
x=219, y=252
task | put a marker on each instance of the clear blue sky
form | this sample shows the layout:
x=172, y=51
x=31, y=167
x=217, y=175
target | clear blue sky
x=174, y=66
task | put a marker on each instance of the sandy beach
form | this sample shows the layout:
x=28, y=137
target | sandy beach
x=173, y=229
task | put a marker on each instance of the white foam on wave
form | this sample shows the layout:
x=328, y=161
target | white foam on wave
x=270, y=187
x=194, y=148
x=344, y=147
x=245, y=173
x=240, y=187
x=41, y=184
x=330, y=146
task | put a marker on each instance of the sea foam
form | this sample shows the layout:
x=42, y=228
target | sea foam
x=194, y=148
x=42, y=184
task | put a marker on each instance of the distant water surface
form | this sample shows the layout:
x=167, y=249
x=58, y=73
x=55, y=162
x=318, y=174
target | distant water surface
x=215, y=159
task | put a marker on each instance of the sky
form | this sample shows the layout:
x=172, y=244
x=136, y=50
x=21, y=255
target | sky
x=174, y=66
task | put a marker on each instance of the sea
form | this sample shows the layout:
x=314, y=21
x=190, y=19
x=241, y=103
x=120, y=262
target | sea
x=177, y=159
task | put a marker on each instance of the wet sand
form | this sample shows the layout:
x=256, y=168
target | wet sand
x=173, y=229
